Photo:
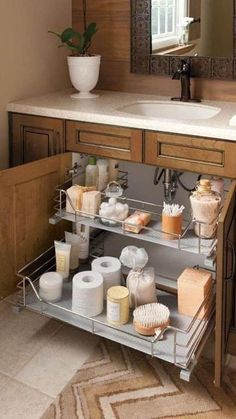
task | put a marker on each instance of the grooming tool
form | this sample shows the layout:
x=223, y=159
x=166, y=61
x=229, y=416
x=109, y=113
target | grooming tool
x=151, y=319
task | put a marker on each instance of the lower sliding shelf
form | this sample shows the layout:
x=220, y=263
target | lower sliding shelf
x=180, y=343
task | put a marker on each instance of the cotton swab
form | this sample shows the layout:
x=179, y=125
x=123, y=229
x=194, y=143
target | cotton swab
x=172, y=210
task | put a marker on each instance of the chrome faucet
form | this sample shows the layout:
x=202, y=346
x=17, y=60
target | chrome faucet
x=183, y=74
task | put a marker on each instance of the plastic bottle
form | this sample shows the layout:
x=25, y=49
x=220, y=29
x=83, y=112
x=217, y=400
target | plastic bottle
x=113, y=170
x=91, y=173
x=205, y=205
x=83, y=233
x=103, y=173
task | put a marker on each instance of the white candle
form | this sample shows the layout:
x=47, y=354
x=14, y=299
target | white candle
x=50, y=286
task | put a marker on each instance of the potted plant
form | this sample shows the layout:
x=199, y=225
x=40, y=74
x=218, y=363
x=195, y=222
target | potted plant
x=83, y=67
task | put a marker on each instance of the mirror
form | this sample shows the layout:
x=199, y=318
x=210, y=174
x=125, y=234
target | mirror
x=201, y=31
x=192, y=27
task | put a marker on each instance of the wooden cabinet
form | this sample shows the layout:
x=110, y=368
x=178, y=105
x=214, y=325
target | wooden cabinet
x=195, y=154
x=27, y=201
x=225, y=283
x=34, y=137
x=27, y=192
x=104, y=140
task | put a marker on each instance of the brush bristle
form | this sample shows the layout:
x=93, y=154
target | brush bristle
x=151, y=315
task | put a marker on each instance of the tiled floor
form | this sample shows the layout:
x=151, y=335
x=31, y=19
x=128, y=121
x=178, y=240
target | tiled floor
x=38, y=358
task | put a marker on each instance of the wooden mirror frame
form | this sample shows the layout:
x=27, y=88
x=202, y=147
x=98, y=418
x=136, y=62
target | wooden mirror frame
x=142, y=60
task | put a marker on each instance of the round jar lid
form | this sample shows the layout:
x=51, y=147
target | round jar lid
x=51, y=280
x=118, y=292
x=113, y=190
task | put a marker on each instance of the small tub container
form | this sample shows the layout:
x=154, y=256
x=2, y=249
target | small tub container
x=172, y=225
x=118, y=305
x=50, y=286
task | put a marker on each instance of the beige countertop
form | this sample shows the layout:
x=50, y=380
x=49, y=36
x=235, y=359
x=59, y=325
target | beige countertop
x=106, y=109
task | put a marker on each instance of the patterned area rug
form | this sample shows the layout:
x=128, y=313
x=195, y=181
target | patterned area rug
x=120, y=383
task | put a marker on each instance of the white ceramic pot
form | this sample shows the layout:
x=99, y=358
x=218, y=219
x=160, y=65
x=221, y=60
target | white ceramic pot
x=84, y=73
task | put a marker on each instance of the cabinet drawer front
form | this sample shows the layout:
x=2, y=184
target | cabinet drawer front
x=104, y=140
x=191, y=153
x=35, y=137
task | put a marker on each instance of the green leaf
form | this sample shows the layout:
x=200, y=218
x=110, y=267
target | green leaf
x=88, y=34
x=72, y=47
x=90, y=31
x=75, y=41
x=81, y=45
x=54, y=33
x=68, y=34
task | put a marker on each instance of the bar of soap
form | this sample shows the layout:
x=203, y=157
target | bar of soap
x=91, y=202
x=75, y=193
x=136, y=221
x=193, y=287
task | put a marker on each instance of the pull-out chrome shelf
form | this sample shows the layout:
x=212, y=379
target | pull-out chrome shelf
x=181, y=343
x=152, y=233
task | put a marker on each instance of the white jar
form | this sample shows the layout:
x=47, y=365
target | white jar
x=103, y=173
x=50, y=286
x=91, y=173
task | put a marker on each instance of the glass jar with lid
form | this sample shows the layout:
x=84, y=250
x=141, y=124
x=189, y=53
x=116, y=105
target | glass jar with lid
x=115, y=209
x=205, y=204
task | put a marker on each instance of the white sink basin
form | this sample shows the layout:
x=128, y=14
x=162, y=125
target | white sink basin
x=171, y=110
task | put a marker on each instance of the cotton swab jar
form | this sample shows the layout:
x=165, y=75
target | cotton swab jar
x=172, y=220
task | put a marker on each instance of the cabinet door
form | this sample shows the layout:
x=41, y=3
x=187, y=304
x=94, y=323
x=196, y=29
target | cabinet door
x=225, y=280
x=194, y=154
x=27, y=201
x=34, y=137
x=104, y=140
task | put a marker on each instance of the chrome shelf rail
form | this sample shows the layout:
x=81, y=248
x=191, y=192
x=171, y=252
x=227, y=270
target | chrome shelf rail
x=179, y=343
x=187, y=241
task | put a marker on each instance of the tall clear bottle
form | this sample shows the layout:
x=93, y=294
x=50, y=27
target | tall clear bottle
x=205, y=205
x=91, y=173
x=103, y=173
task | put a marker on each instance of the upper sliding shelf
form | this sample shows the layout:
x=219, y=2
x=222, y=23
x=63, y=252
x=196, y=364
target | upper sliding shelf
x=153, y=233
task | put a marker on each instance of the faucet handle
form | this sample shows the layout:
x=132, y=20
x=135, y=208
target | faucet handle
x=185, y=66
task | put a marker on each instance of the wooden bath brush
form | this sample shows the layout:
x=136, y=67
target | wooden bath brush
x=151, y=319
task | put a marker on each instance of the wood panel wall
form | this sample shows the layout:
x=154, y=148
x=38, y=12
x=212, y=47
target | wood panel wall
x=113, y=43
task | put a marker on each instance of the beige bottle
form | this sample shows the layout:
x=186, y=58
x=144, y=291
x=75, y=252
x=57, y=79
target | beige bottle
x=205, y=205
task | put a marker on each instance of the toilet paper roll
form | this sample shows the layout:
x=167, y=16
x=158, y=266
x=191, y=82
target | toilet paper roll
x=87, y=293
x=110, y=268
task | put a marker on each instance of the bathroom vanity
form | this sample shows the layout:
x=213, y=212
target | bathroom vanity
x=43, y=128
